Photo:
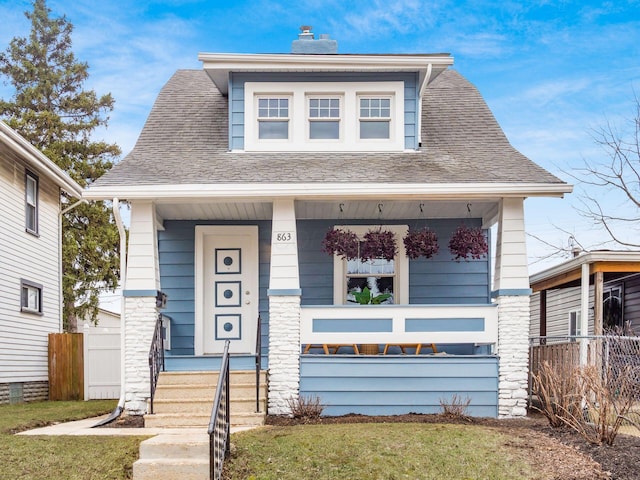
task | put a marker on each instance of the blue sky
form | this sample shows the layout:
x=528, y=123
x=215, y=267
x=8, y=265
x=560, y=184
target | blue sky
x=551, y=71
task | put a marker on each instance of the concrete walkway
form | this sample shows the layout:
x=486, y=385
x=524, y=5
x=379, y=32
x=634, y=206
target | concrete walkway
x=83, y=427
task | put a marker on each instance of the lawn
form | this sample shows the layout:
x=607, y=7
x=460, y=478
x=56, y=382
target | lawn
x=61, y=457
x=377, y=451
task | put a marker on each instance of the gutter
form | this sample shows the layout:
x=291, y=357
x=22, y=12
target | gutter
x=442, y=191
x=123, y=269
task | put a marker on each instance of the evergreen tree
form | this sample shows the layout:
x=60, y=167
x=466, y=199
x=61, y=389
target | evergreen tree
x=51, y=109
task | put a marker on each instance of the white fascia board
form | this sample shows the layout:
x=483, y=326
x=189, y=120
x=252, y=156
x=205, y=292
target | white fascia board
x=38, y=160
x=218, y=65
x=324, y=190
x=585, y=258
x=262, y=62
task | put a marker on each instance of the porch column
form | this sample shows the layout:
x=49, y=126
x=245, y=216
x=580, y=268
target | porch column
x=284, y=309
x=512, y=293
x=140, y=311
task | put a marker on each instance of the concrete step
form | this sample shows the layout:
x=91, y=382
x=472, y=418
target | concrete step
x=203, y=405
x=176, y=420
x=238, y=391
x=168, y=457
x=209, y=378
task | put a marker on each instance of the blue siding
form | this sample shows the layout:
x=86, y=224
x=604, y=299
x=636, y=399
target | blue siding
x=236, y=92
x=438, y=280
x=177, y=276
x=397, y=385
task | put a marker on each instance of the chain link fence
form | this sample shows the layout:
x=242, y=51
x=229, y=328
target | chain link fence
x=611, y=354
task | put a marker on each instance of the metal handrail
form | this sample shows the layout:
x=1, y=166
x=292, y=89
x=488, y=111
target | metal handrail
x=258, y=363
x=156, y=359
x=219, y=430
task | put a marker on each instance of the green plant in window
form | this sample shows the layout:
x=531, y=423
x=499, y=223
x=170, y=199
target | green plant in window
x=366, y=298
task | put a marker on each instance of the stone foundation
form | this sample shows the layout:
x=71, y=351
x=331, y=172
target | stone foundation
x=19, y=392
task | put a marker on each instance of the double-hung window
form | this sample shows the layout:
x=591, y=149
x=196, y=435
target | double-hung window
x=30, y=297
x=31, y=203
x=273, y=118
x=575, y=325
x=379, y=276
x=324, y=114
x=374, y=117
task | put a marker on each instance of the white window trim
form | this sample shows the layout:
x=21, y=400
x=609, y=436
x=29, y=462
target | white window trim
x=35, y=286
x=272, y=119
x=338, y=119
x=390, y=118
x=30, y=177
x=401, y=265
x=299, y=135
x=578, y=323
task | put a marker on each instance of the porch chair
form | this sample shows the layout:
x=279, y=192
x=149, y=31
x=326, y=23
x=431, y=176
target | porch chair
x=417, y=346
x=334, y=346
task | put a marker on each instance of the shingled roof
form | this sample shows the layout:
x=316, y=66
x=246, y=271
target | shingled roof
x=185, y=141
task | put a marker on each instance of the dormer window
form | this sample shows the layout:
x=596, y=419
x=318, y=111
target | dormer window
x=273, y=118
x=321, y=116
x=324, y=118
x=375, y=117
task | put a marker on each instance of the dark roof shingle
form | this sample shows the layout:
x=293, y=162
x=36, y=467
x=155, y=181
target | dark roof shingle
x=185, y=141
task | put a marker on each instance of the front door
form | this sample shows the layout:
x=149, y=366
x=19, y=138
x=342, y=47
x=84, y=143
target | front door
x=229, y=288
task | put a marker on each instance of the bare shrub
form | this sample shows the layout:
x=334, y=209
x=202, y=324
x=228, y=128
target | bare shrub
x=305, y=408
x=557, y=390
x=456, y=407
x=607, y=400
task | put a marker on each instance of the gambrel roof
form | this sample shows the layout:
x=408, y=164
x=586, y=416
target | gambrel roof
x=185, y=142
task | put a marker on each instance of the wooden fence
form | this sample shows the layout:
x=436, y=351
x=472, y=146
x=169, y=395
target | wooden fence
x=558, y=355
x=66, y=366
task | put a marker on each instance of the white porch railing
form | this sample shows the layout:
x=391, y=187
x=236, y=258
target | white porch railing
x=399, y=324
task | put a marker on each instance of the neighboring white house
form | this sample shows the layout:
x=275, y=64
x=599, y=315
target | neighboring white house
x=242, y=169
x=30, y=288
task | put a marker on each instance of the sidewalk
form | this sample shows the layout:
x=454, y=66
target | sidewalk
x=83, y=427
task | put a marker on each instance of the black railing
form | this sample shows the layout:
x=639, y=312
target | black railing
x=156, y=358
x=258, y=363
x=219, y=425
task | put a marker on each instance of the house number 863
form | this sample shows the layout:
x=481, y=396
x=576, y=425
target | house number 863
x=284, y=237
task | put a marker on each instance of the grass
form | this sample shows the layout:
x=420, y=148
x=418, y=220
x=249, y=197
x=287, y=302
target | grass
x=376, y=451
x=61, y=457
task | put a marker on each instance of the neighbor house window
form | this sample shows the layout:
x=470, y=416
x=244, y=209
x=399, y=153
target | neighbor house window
x=575, y=327
x=374, y=117
x=31, y=202
x=324, y=118
x=612, y=313
x=30, y=297
x=380, y=276
x=273, y=118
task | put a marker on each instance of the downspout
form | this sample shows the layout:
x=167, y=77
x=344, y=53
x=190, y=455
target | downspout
x=427, y=78
x=60, y=295
x=123, y=270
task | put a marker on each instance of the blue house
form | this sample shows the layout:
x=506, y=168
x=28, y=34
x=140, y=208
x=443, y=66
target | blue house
x=245, y=167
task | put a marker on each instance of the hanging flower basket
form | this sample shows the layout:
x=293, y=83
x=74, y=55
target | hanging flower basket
x=421, y=243
x=468, y=243
x=378, y=244
x=343, y=243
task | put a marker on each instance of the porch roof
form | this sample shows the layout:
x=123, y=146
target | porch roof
x=612, y=264
x=184, y=147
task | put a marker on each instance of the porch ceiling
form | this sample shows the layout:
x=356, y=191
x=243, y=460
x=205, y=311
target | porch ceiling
x=351, y=209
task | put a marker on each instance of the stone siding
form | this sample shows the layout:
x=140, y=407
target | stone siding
x=140, y=321
x=284, y=352
x=24, y=392
x=513, y=352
